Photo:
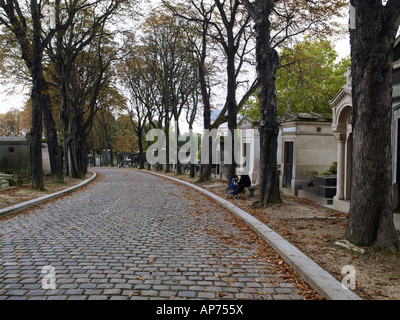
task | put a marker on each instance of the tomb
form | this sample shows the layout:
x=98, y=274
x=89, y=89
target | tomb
x=341, y=126
x=250, y=148
x=307, y=145
x=342, y=129
x=14, y=155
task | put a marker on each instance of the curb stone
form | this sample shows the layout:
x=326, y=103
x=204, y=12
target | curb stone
x=318, y=279
x=34, y=202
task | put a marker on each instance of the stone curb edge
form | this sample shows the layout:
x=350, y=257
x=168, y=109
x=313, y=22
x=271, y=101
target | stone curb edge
x=318, y=279
x=34, y=202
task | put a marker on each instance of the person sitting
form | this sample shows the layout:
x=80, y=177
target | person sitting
x=243, y=183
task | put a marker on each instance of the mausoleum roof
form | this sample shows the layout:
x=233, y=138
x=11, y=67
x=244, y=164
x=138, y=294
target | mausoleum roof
x=304, y=116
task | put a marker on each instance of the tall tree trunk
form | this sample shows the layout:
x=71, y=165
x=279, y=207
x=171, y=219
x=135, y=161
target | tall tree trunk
x=85, y=153
x=37, y=102
x=205, y=168
x=66, y=157
x=232, y=111
x=82, y=153
x=66, y=138
x=36, y=137
x=75, y=147
x=371, y=213
x=111, y=154
x=267, y=63
x=192, y=170
x=141, y=151
x=79, y=144
x=73, y=160
x=178, y=147
x=52, y=139
x=167, y=168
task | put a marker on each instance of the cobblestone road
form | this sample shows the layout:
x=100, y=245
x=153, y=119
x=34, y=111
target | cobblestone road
x=131, y=235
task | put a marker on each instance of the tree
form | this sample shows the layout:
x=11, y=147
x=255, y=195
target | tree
x=11, y=124
x=276, y=22
x=104, y=126
x=308, y=76
x=191, y=113
x=170, y=58
x=199, y=14
x=267, y=64
x=82, y=56
x=139, y=82
x=372, y=35
x=23, y=20
x=234, y=36
x=124, y=137
x=228, y=25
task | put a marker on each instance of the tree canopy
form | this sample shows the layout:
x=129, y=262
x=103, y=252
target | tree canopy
x=308, y=77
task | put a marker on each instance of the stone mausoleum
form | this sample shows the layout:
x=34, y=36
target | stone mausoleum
x=307, y=145
x=14, y=154
x=342, y=109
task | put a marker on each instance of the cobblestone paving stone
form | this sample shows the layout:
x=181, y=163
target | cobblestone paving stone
x=131, y=235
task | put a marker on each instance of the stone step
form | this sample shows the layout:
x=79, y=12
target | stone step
x=9, y=176
x=4, y=183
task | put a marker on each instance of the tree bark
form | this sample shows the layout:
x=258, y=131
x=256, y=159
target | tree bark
x=142, y=155
x=371, y=213
x=267, y=63
x=167, y=151
x=52, y=137
x=37, y=102
x=205, y=169
x=232, y=108
x=36, y=135
x=178, y=147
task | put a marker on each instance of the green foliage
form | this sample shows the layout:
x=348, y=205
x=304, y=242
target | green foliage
x=333, y=168
x=308, y=76
x=311, y=175
x=330, y=172
x=252, y=107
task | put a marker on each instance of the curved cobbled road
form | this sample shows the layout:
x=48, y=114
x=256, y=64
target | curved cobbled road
x=132, y=235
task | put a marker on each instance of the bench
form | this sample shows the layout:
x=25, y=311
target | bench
x=251, y=190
